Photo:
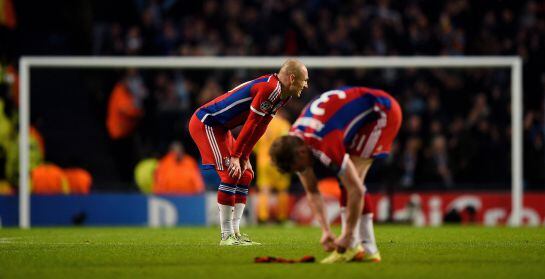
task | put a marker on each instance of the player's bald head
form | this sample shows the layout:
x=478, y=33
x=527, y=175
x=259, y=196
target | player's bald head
x=294, y=77
x=293, y=66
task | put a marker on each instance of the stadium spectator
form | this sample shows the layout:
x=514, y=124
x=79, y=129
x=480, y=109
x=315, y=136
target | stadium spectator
x=123, y=116
x=49, y=179
x=169, y=111
x=124, y=107
x=177, y=174
x=438, y=157
x=79, y=181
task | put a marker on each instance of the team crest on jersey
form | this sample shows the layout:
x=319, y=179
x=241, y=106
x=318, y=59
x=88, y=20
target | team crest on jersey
x=227, y=161
x=265, y=106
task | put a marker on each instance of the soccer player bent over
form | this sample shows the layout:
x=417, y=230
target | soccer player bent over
x=344, y=130
x=252, y=105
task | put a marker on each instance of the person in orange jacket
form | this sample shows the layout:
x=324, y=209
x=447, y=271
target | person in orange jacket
x=178, y=173
x=124, y=106
x=123, y=116
x=49, y=179
x=79, y=180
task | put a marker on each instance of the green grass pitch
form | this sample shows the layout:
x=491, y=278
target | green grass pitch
x=446, y=252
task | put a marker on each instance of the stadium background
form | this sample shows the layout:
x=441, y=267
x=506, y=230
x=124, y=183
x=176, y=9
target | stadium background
x=456, y=122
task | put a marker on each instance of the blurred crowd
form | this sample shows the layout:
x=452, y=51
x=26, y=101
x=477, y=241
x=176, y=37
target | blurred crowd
x=326, y=27
x=457, y=124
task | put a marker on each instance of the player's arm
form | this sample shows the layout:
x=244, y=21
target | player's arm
x=252, y=130
x=310, y=183
x=354, y=203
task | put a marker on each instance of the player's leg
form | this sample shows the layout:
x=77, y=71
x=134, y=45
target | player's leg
x=240, y=205
x=376, y=143
x=211, y=144
x=355, y=250
x=227, y=191
x=344, y=215
x=363, y=247
x=226, y=207
x=241, y=195
x=366, y=232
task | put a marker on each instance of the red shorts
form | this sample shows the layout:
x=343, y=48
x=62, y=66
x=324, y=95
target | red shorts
x=374, y=139
x=215, y=143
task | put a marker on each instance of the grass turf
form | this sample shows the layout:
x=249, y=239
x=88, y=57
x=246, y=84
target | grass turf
x=446, y=252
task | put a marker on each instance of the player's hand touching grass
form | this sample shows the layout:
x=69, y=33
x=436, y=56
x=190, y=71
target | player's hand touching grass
x=328, y=241
x=343, y=242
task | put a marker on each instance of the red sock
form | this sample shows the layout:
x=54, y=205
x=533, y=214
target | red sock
x=368, y=204
x=342, y=199
x=226, y=194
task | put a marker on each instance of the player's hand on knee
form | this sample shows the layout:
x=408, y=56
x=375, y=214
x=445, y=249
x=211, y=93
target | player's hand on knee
x=234, y=168
x=328, y=241
x=247, y=165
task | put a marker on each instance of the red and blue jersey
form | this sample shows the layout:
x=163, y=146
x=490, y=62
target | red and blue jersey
x=230, y=110
x=349, y=121
x=251, y=104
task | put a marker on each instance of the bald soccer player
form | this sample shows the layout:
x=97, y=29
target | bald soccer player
x=251, y=105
